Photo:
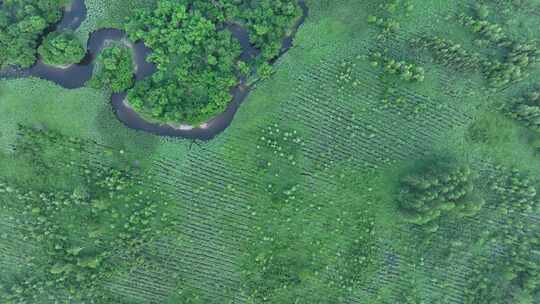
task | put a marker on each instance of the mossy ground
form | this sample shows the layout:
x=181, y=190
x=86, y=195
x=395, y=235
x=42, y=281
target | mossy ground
x=354, y=149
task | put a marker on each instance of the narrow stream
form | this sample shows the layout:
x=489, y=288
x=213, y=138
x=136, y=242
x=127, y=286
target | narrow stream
x=75, y=76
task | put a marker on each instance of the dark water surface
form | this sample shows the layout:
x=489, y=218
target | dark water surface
x=75, y=76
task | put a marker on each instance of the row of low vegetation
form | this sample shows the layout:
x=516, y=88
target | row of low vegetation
x=86, y=231
x=395, y=73
x=491, y=233
x=311, y=241
x=510, y=273
x=287, y=257
x=309, y=246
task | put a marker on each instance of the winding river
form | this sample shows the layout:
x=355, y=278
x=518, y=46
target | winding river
x=75, y=76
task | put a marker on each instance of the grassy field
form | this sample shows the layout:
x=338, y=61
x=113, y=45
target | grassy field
x=108, y=14
x=296, y=201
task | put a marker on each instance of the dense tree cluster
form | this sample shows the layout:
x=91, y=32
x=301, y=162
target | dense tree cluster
x=523, y=54
x=196, y=55
x=290, y=258
x=195, y=62
x=511, y=275
x=527, y=110
x=119, y=213
x=499, y=71
x=436, y=189
x=519, y=57
x=449, y=53
x=512, y=278
x=61, y=48
x=268, y=21
x=22, y=22
x=489, y=32
x=114, y=69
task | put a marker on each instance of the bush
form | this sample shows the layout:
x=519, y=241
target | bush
x=449, y=53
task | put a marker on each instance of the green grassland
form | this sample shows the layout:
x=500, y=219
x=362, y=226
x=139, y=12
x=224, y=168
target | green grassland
x=108, y=14
x=295, y=202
